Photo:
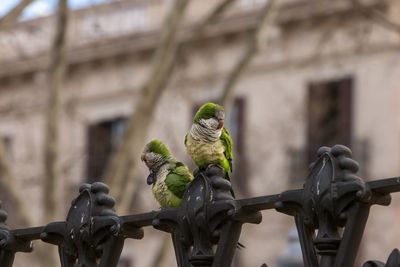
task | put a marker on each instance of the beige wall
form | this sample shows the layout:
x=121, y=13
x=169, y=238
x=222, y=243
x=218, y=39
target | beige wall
x=275, y=91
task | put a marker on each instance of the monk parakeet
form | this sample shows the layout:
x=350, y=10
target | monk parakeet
x=208, y=142
x=168, y=176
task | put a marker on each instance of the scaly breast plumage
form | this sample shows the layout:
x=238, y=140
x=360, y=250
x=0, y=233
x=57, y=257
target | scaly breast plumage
x=205, y=153
x=161, y=193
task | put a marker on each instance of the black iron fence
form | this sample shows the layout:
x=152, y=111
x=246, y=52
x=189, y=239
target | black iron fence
x=330, y=212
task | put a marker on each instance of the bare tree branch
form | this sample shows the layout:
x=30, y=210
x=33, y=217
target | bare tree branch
x=199, y=30
x=56, y=76
x=376, y=16
x=324, y=39
x=265, y=18
x=122, y=168
x=45, y=258
x=211, y=18
x=51, y=155
x=12, y=16
x=8, y=182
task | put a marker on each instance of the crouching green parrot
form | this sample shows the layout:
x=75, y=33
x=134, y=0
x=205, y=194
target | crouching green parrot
x=168, y=177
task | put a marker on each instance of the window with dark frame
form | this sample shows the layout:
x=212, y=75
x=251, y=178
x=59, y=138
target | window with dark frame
x=235, y=124
x=102, y=139
x=329, y=121
x=329, y=114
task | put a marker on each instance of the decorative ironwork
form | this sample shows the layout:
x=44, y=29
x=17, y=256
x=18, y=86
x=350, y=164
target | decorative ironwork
x=330, y=213
x=393, y=261
x=92, y=232
x=10, y=243
x=334, y=203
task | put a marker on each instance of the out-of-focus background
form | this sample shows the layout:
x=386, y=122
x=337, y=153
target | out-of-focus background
x=84, y=86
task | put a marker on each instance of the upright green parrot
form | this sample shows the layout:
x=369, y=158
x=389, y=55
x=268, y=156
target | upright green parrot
x=168, y=176
x=208, y=142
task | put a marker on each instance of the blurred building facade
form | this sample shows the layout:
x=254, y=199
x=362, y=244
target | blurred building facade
x=325, y=74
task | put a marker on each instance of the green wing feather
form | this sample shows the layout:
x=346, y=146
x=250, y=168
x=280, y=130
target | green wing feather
x=178, y=178
x=227, y=143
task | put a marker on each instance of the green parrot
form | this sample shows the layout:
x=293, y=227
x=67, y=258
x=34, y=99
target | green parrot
x=168, y=176
x=208, y=142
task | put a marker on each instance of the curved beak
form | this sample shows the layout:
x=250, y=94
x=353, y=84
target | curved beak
x=142, y=157
x=220, y=124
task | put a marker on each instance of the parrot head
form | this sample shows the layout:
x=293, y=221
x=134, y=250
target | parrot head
x=154, y=155
x=210, y=115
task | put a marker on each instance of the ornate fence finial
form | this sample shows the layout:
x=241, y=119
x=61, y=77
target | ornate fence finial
x=332, y=209
x=91, y=235
x=9, y=245
x=392, y=261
